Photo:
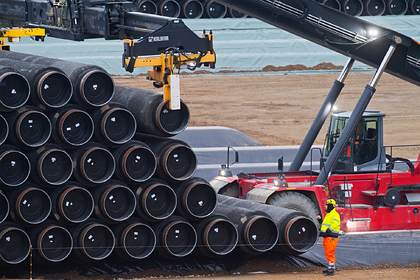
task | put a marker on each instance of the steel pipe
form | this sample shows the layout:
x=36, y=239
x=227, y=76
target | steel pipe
x=15, y=167
x=114, y=124
x=51, y=165
x=29, y=127
x=335, y=4
x=72, y=203
x=414, y=6
x=191, y=9
x=15, y=244
x=4, y=129
x=213, y=9
x=92, y=241
x=114, y=202
x=135, y=240
x=216, y=235
x=30, y=205
x=15, y=89
x=298, y=233
x=146, y=6
x=51, y=242
x=257, y=231
x=168, y=8
x=235, y=14
x=4, y=207
x=374, y=7
x=196, y=198
x=352, y=7
x=93, y=164
x=152, y=114
x=93, y=86
x=396, y=7
x=50, y=87
x=176, y=237
x=72, y=126
x=135, y=162
x=176, y=161
x=156, y=200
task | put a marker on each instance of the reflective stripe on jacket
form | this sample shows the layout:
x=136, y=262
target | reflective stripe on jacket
x=332, y=222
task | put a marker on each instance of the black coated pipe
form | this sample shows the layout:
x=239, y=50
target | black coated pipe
x=14, y=88
x=257, y=231
x=396, y=7
x=14, y=166
x=176, y=161
x=50, y=87
x=212, y=9
x=72, y=203
x=216, y=235
x=135, y=240
x=335, y=4
x=4, y=207
x=29, y=127
x=72, y=126
x=374, y=7
x=93, y=86
x=93, y=164
x=15, y=244
x=152, y=114
x=146, y=6
x=30, y=205
x=51, y=165
x=114, y=125
x=4, y=129
x=135, y=162
x=235, y=14
x=156, y=200
x=191, y=9
x=168, y=8
x=352, y=7
x=196, y=198
x=415, y=7
x=298, y=232
x=114, y=202
x=175, y=236
x=51, y=242
x=92, y=241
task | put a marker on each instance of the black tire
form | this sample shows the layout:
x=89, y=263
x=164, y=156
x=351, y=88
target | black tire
x=295, y=201
x=231, y=190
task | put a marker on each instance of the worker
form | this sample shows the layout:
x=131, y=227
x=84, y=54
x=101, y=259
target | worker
x=330, y=230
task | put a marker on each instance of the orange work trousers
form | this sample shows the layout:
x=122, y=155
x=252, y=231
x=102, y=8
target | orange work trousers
x=329, y=245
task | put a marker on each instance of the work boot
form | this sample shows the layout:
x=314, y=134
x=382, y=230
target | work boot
x=329, y=272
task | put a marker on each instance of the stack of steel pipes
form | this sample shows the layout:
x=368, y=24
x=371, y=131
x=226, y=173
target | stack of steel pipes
x=88, y=172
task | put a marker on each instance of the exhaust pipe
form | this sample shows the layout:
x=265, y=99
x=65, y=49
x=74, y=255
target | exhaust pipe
x=50, y=87
x=92, y=241
x=52, y=243
x=14, y=88
x=147, y=7
x=176, y=237
x=29, y=127
x=114, y=125
x=257, y=231
x=415, y=7
x=152, y=114
x=14, y=243
x=51, y=165
x=374, y=7
x=196, y=198
x=168, y=8
x=397, y=7
x=135, y=162
x=93, y=164
x=191, y=9
x=114, y=202
x=14, y=166
x=176, y=161
x=30, y=205
x=135, y=240
x=213, y=9
x=71, y=203
x=156, y=201
x=217, y=236
x=93, y=86
x=352, y=7
x=72, y=126
x=298, y=232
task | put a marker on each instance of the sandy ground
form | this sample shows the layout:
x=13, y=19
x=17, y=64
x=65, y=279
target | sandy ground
x=278, y=110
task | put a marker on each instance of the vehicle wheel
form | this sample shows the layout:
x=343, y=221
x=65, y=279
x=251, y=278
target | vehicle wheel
x=231, y=190
x=295, y=201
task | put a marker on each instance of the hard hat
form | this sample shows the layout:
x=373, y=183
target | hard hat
x=331, y=201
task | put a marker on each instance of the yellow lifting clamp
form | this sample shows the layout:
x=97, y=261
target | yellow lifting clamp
x=14, y=35
x=165, y=64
